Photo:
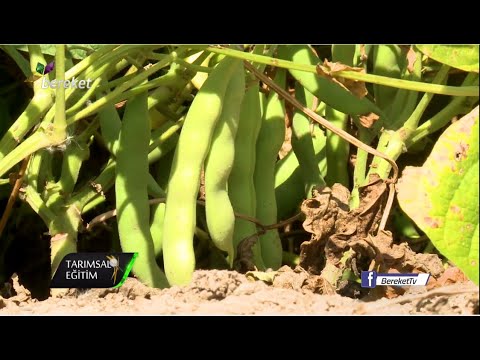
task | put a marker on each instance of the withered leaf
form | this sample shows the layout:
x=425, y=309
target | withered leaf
x=344, y=239
x=266, y=277
x=363, y=54
x=321, y=214
x=411, y=58
x=451, y=275
x=329, y=71
x=368, y=120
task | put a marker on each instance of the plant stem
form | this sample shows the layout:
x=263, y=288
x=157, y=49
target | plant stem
x=106, y=178
x=399, y=141
x=360, y=168
x=36, y=57
x=374, y=79
x=60, y=123
x=36, y=203
x=92, y=204
x=155, y=56
x=19, y=59
x=38, y=106
x=89, y=60
x=271, y=50
x=81, y=102
x=73, y=157
x=442, y=118
x=13, y=195
x=117, y=93
x=80, y=47
x=137, y=65
x=111, y=84
x=195, y=68
x=166, y=135
x=412, y=122
x=115, y=69
x=35, y=142
x=114, y=56
x=64, y=229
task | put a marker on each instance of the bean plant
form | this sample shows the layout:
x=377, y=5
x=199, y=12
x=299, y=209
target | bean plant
x=188, y=120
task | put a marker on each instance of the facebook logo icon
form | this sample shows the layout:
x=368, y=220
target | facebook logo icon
x=369, y=279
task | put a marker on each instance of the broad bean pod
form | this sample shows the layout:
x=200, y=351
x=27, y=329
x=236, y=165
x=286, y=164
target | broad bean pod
x=241, y=188
x=192, y=148
x=218, y=166
x=133, y=209
x=269, y=142
x=332, y=94
x=302, y=144
x=289, y=182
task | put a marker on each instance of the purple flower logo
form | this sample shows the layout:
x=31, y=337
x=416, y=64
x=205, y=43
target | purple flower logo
x=44, y=70
x=49, y=68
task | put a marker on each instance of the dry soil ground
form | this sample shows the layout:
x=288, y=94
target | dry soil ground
x=230, y=293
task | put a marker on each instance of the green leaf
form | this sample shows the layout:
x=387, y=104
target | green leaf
x=464, y=57
x=442, y=196
x=77, y=51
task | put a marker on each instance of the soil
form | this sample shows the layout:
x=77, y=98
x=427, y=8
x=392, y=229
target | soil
x=221, y=292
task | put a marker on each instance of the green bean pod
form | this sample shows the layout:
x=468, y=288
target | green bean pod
x=110, y=125
x=153, y=188
x=337, y=148
x=166, y=139
x=362, y=53
x=404, y=101
x=133, y=209
x=263, y=102
x=289, y=180
x=269, y=142
x=158, y=211
x=192, y=149
x=302, y=144
x=327, y=91
x=75, y=154
x=344, y=53
x=218, y=166
x=410, y=103
x=388, y=60
x=241, y=188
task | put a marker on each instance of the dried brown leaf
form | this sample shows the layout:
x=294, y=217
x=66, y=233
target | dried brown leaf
x=368, y=120
x=329, y=71
x=363, y=54
x=451, y=275
x=321, y=214
x=411, y=58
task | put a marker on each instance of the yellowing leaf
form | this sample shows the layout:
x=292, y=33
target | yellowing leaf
x=442, y=195
x=464, y=57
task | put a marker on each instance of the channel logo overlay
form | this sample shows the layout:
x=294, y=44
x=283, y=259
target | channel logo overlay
x=40, y=71
x=44, y=70
x=93, y=270
x=371, y=279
